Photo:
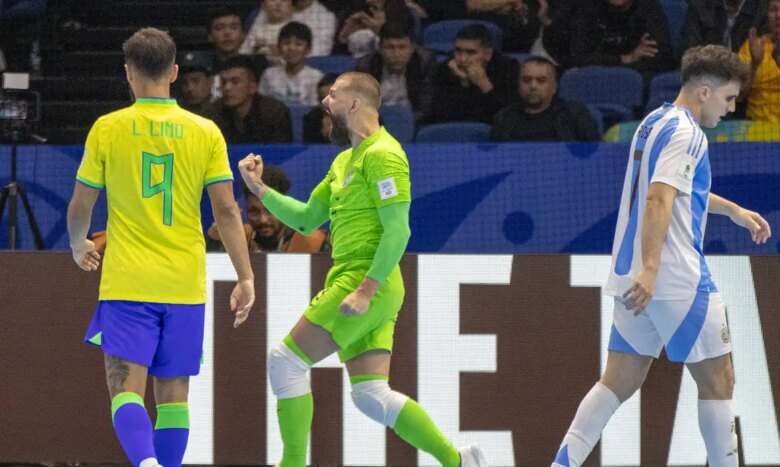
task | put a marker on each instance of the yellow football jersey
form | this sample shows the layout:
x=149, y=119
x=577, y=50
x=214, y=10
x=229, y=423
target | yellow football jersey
x=154, y=160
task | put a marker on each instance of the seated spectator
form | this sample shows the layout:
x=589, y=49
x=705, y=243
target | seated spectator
x=402, y=68
x=226, y=34
x=264, y=32
x=195, y=82
x=632, y=33
x=541, y=115
x=293, y=83
x=320, y=20
x=556, y=22
x=316, y=122
x=359, y=33
x=243, y=115
x=517, y=19
x=763, y=54
x=476, y=83
x=265, y=232
x=722, y=22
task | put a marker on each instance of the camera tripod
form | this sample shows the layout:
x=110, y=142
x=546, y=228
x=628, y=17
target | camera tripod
x=9, y=194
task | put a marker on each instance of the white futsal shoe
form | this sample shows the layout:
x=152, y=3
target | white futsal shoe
x=471, y=456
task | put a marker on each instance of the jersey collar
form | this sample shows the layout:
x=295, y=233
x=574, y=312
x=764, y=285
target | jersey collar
x=155, y=100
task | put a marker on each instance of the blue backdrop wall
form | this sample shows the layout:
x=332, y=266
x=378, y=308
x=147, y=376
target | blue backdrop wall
x=491, y=198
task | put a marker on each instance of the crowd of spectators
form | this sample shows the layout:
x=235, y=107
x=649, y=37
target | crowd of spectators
x=502, y=69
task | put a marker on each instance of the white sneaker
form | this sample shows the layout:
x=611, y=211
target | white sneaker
x=471, y=456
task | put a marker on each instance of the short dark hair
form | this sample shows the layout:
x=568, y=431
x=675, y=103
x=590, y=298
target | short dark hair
x=151, y=51
x=476, y=32
x=540, y=60
x=328, y=79
x=274, y=177
x=296, y=30
x=240, y=61
x=714, y=61
x=396, y=30
x=221, y=12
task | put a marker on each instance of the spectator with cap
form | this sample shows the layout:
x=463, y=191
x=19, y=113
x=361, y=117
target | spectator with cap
x=402, y=68
x=244, y=115
x=541, y=115
x=264, y=231
x=195, y=82
x=476, y=82
x=294, y=82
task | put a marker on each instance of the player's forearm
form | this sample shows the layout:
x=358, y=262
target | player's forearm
x=231, y=232
x=302, y=217
x=655, y=225
x=719, y=205
x=79, y=220
x=392, y=244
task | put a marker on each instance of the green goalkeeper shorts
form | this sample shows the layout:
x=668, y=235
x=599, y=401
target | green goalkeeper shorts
x=357, y=334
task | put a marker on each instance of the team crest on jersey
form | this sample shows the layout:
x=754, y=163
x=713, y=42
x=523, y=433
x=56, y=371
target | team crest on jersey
x=725, y=336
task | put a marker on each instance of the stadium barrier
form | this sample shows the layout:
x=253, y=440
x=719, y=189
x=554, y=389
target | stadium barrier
x=499, y=349
x=475, y=198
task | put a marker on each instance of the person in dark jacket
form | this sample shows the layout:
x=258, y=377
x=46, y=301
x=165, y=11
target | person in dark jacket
x=633, y=33
x=541, y=115
x=721, y=22
x=243, y=115
x=475, y=83
x=402, y=69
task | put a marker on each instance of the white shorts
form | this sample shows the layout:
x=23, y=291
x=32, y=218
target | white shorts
x=691, y=330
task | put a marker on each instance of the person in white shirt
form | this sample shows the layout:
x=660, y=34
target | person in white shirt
x=664, y=293
x=262, y=36
x=321, y=21
x=293, y=83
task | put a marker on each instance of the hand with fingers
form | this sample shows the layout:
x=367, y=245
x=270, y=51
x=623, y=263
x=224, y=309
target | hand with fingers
x=638, y=296
x=241, y=300
x=86, y=255
x=355, y=303
x=251, y=168
x=647, y=48
x=759, y=228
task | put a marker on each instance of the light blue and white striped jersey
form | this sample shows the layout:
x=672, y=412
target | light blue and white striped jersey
x=668, y=147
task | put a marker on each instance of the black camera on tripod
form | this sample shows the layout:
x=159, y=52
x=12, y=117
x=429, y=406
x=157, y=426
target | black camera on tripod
x=19, y=109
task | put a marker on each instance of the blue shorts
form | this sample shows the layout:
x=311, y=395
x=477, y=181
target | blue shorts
x=165, y=338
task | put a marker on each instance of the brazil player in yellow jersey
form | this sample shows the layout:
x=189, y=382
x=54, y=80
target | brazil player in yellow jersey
x=366, y=196
x=154, y=159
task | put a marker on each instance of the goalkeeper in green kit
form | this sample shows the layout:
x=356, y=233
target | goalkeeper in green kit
x=366, y=197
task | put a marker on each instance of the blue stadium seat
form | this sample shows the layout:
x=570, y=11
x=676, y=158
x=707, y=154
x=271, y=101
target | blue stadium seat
x=296, y=115
x=440, y=36
x=615, y=91
x=399, y=121
x=598, y=117
x=332, y=63
x=454, y=132
x=663, y=88
x=676, y=11
x=519, y=57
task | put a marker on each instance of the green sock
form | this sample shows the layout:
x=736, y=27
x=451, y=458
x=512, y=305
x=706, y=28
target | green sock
x=295, y=417
x=416, y=428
